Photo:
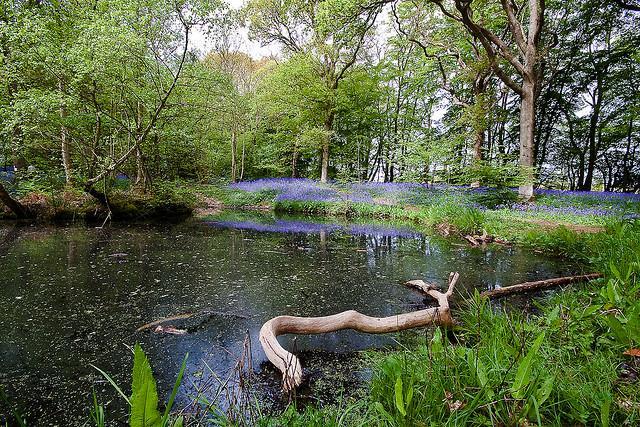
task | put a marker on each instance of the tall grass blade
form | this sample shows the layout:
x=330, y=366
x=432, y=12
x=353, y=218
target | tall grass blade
x=174, y=392
x=112, y=382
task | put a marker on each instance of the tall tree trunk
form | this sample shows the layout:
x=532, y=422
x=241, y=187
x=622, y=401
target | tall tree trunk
x=142, y=175
x=480, y=119
x=234, y=154
x=593, y=128
x=19, y=161
x=625, y=162
x=527, y=133
x=294, y=160
x=242, y=161
x=64, y=138
x=478, y=143
x=328, y=129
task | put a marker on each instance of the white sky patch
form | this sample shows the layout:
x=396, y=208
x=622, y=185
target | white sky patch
x=204, y=44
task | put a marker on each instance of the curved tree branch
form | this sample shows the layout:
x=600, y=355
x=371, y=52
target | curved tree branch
x=290, y=365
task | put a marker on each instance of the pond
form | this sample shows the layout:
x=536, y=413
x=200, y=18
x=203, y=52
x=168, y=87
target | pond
x=74, y=296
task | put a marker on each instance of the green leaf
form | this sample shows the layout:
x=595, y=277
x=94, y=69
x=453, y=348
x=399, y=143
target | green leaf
x=618, y=329
x=590, y=310
x=605, y=410
x=144, y=396
x=615, y=271
x=553, y=316
x=612, y=293
x=409, y=397
x=523, y=374
x=543, y=393
x=399, y=397
x=436, y=342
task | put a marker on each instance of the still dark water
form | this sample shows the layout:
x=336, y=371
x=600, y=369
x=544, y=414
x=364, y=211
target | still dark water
x=74, y=296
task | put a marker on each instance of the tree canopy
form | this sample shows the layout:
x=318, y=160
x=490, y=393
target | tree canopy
x=403, y=90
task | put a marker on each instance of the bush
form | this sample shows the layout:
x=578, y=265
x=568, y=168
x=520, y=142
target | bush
x=491, y=175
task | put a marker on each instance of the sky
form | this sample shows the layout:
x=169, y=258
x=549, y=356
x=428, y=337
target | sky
x=252, y=48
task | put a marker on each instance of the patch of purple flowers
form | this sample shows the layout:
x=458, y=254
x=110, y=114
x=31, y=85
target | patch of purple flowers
x=317, y=194
x=580, y=203
x=599, y=195
x=309, y=227
x=566, y=210
x=302, y=189
x=274, y=184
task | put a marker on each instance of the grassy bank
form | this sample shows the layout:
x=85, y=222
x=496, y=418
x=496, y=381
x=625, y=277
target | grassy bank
x=557, y=222
x=125, y=203
x=562, y=365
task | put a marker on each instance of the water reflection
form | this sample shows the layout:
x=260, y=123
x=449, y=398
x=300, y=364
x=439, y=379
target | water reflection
x=71, y=297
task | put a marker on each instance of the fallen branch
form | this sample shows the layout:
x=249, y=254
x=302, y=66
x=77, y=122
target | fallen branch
x=540, y=284
x=289, y=364
x=483, y=239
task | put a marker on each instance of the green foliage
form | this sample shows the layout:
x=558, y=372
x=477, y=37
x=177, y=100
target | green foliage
x=19, y=420
x=143, y=402
x=558, y=241
x=492, y=175
x=494, y=198
x=97, y=412
x=490, y=376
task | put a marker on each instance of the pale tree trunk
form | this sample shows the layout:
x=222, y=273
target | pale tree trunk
x=242, y=161
x=478, y=143
x=328, y=129
x=527, y=142
x=294, y=160
x=64, y=138
x=234, y=155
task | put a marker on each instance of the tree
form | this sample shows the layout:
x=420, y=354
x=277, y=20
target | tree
x=525, y=61
x=309, y=28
